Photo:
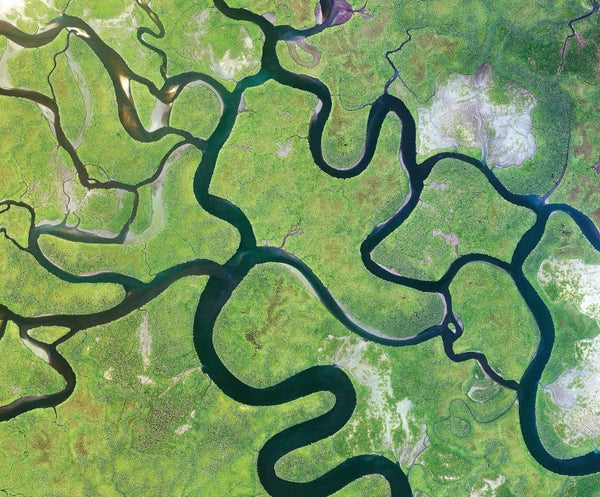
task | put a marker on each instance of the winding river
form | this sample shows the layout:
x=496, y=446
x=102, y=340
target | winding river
x=225, y=278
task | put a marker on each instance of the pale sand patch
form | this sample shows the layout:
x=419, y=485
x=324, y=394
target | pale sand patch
x=9, y=52
x=53, y=25
x=145, y=380
x=229, y=67
x=576, y=392
x=36, y=349
x=11, y=9
x=577, y=283
x=393, y=415
x=160, y=114
x=270, y=16
x=463, y=114
x=488, y=488
x=451, y=238
x=79, y=32
x=145, y=342
x=125, y=85
x=284, y=148
x=200, y=18
x=248, y=42
x=182, y=429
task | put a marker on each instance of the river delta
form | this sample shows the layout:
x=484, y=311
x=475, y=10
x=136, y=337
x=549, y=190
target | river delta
x=264, y=250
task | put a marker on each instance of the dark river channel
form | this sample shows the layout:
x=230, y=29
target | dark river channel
x=224, y=279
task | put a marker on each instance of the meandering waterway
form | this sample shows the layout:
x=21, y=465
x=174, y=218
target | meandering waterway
x=225, y=278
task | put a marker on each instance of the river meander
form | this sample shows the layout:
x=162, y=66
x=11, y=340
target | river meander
x=225, y=278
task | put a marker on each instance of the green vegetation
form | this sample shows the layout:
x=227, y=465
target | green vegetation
x=459, y=213
x=47, y=334
x=497, y=322
x=276, y=336
x=31, y=167
x=22, y=372
x=31, y=290
x=105, y=143
x=120, y=427
x=562, y=240
x=197, y=110
x=30, y=68
x=145, y=256
x=325, y=219
x=582, y=487
x=199, y=38
x=296, y=13
x=285, y=329
x=144, y=418
x=521, y=42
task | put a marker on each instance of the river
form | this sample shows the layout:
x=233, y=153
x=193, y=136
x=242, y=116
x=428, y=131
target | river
x=224, y=279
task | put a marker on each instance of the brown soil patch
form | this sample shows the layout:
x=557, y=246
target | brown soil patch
x=585, y=149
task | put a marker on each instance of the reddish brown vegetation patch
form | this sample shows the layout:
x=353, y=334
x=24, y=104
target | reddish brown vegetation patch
x=585, y=149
